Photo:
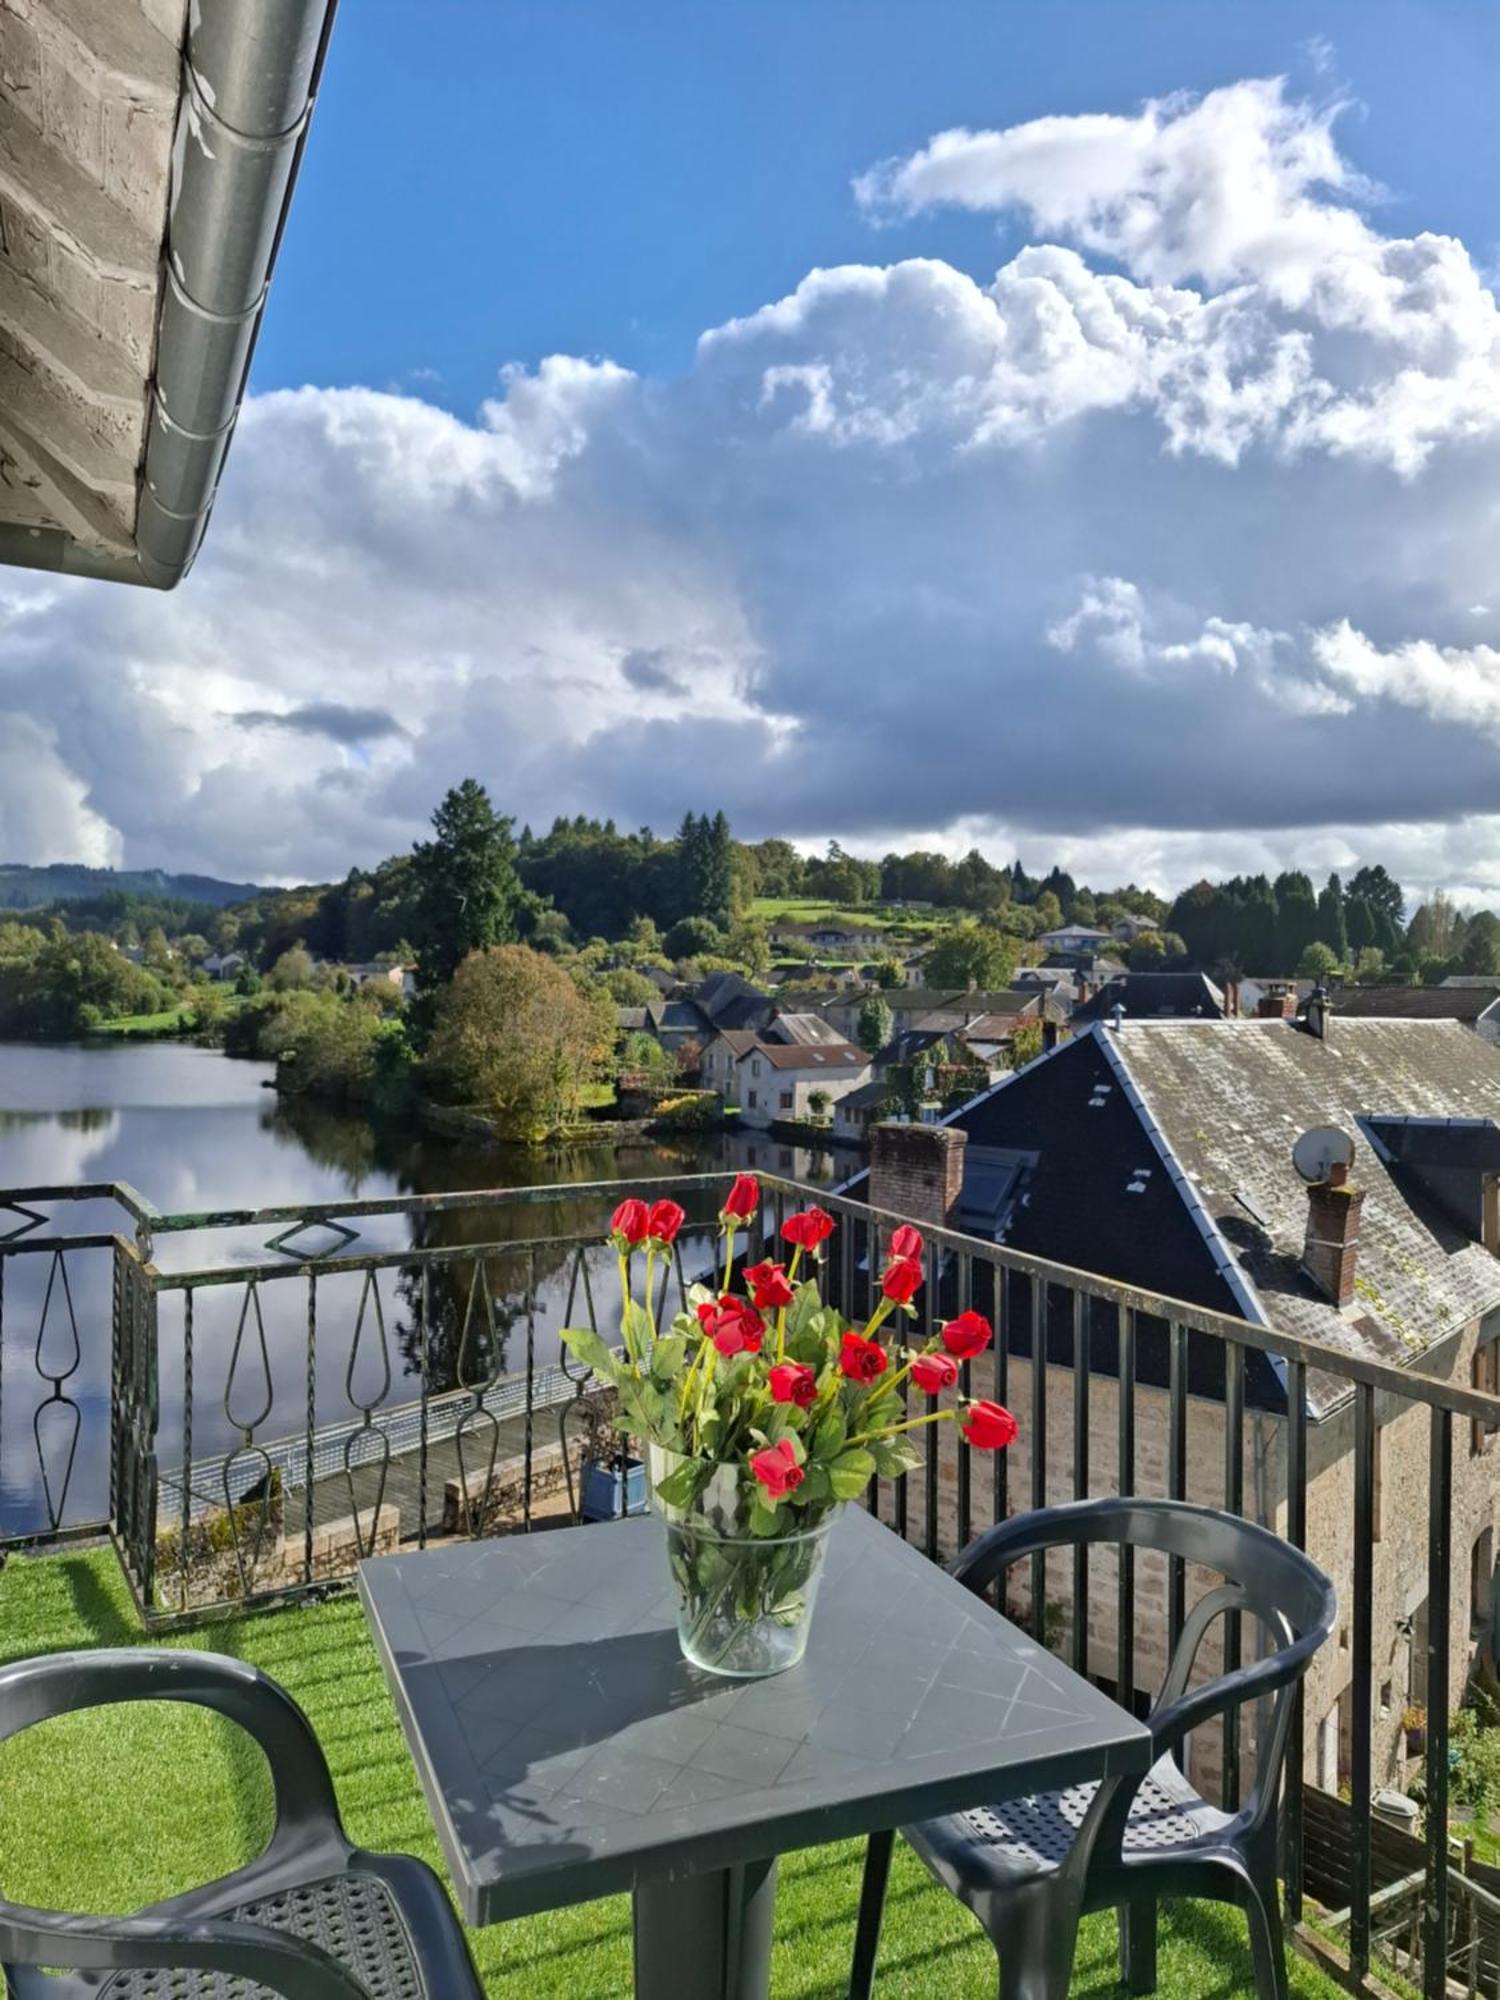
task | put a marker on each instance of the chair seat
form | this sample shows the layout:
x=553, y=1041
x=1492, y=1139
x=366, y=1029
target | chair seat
x=1030, y=1836
x=353, y=1917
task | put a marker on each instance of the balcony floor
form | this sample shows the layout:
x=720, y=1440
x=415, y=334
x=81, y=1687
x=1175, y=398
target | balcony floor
x=82, y=1832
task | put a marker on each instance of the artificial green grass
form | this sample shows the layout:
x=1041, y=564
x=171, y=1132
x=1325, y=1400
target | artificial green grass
x=121, y=1806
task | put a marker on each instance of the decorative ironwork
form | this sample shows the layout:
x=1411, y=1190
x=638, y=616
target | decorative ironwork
x=283, y=1241
x=359, y=1441
x=30, y=1220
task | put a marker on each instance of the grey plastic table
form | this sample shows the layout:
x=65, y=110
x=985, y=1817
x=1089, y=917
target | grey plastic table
x=568, y=1751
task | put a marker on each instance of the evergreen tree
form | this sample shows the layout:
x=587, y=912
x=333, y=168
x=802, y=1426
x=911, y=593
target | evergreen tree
x=466, y=888
x=1383, y=894
x=873, y=1029
x=1332, y=929
x=1296, y=919
x=1258, y=927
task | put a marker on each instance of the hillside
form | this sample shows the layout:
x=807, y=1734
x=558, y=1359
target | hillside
x=26, y=888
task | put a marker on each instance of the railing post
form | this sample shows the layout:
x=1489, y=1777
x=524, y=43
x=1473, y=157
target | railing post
x=1439, y=1603
x=1359, y=1758
x=1296, y=1533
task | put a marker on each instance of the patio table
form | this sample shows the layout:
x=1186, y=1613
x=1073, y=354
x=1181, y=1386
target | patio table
x=568, y=1751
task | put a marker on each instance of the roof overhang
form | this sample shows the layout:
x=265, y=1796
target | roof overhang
x=147, y=160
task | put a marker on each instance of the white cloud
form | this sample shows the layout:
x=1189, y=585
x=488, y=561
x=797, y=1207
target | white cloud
x=1165, y=548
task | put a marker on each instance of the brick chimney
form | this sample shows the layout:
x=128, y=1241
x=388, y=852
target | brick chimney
x=1331, y=1249
x=1231, y=999
x=917, y=1171
x=1277, y=1006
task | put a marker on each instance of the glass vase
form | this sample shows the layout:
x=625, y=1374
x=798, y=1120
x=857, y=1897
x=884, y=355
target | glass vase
x=744, y=1602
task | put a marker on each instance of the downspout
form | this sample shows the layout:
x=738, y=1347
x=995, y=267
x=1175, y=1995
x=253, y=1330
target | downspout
x=250, y=74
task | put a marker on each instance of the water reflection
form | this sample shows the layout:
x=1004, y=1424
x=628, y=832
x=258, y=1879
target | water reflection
x=195, y=1132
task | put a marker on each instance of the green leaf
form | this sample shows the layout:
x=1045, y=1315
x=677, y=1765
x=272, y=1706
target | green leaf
x=851, y=1473
x=806, y=1307
x=637, y=1326
x=668, y=1356
x=680, y=1487
x=828, y=1438
x=893, y=1456
x=595, y=1353
x=816, y=1488
x=766, y=1520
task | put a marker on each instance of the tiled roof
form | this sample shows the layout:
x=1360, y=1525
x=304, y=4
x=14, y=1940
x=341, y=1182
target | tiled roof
x=1154, y=995
x=803, y=1028
x=821, y=1055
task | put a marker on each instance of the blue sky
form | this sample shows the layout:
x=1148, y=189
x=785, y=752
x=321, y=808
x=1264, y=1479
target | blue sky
x=1066, y=429
x=497, y=180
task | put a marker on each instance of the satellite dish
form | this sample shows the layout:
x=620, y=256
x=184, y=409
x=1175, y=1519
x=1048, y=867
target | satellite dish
x=1320, y=1150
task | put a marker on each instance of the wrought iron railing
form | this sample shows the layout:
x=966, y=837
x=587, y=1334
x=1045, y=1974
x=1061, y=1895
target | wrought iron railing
x=246, y=1402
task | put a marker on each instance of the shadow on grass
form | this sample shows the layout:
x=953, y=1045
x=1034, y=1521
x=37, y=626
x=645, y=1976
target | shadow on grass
x=99, y=1612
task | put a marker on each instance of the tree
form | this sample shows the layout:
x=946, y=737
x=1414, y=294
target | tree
x=819, y=1103
x=889, y=974
x=629, y=989
x=1025, y=1044
x=1375, y=887
x=705, y=859
x=1154, y=951
x=1331, y=926
x=1317, y=961
x=513, y=1035
x=874, y=1026
x=1481, y=952
x=1431, y=932
x=691, y=937
x=294, y=968
x=749, y=943
x=971, y=955
x=1369, y=964
x=1296, y=919
x=466, y=887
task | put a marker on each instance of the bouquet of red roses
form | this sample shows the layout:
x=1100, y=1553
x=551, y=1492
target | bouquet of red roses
x=769, y=1379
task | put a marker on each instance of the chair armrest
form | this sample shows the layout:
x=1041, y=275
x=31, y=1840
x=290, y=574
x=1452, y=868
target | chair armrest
x=1174, y=1719
x=253, y=1952
x=31, y=1691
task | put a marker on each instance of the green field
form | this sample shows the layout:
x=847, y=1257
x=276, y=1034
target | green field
x=165, y=1023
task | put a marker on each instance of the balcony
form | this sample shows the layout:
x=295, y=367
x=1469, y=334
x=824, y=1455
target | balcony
x=207, y=1419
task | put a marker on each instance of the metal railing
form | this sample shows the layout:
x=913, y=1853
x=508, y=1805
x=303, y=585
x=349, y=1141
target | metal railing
x=250, y=1394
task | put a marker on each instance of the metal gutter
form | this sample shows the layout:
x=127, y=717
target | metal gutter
x=250, y=77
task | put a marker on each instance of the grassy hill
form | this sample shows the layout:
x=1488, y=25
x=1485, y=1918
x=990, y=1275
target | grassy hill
x=26, y=888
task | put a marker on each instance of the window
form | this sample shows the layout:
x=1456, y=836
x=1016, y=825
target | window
x=751, y=1099
x=755, y=1065
x=788, y=1101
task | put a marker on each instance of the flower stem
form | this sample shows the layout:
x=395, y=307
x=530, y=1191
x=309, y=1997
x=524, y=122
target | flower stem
x=625, y=1304
x=892, y=1430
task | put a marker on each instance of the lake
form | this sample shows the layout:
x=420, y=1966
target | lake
x=194, y=1130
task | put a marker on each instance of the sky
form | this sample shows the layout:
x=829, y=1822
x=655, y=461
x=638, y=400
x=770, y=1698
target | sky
x=1067, y=430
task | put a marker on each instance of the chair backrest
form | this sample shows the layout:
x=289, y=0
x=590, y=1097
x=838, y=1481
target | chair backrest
x=1265, y=1577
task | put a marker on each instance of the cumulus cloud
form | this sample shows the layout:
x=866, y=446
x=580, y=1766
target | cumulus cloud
x=1168, y=547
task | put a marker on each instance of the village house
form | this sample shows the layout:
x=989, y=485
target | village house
x=1144, y=996
x=825, y=934
x=1128, y=929
x=1159, y=1154
x=1076, y=938
x=773, y=1083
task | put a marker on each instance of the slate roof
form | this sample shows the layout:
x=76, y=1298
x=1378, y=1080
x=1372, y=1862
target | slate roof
x=1414, y=1003
x=1154, y=995
x=730, y=1001
x=868, y=1097
x=803, y=1028
x=630, y=1019
x=1230, y=1098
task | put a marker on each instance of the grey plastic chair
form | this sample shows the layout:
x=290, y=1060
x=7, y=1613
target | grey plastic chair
x=1030, y=1868
x=311, y=1918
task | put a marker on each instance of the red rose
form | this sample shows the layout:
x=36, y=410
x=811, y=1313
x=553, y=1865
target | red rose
x=901, y=1280
x=793, y=1382
x=861, y=1360
x=808, y=1227
x=933, y=1373
x=967, y=1335
x=769, y=1286
x=907, y=1242
x=630, y=1221
x=742, y=1200
x=777, y=1469
x=665, y=1220
x=733, y=1325
x=989, y=1426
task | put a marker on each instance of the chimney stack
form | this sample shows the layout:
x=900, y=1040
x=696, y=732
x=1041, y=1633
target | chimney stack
x=1331, y=1249
x=917, y=1171
x=1278, y=1005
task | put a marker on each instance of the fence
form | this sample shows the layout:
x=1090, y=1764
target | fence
x=250, y=1393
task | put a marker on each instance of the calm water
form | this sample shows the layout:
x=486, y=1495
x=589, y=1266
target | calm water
x=194, y=1131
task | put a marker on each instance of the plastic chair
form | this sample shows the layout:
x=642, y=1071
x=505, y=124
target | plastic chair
x=311, y=1918
x=1030, y=1868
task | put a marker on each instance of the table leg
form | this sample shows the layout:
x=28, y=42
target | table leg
x=706, y=1937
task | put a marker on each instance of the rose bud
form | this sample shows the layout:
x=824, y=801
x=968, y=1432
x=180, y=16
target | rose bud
x=793, y=1382
x=742, y=1200
x=989, y=1426
x=967, y=1335
x=861, y=1360
x=907, y=1242
x=808, y=1228
x=629, y=1223
x=665, y=1220
x=777, y=1469
x=901, y=1280
x=933, y=1373
x=769, y=1286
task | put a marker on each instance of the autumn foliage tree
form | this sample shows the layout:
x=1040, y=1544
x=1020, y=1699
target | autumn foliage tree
x=514, y=1037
